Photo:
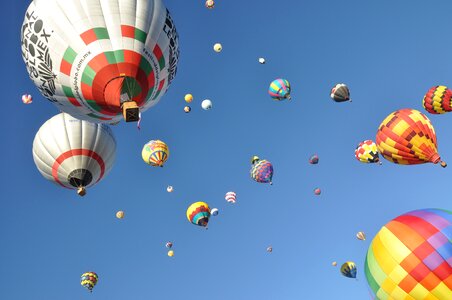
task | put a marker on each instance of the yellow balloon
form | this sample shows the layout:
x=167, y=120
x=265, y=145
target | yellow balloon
x=171, y=253
x=120, y=214
x=188, y=98
x=217, y=47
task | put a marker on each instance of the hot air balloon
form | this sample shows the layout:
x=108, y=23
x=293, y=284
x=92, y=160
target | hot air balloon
x=261, y=60
x=210, y=4
x=89, y=280
x=199, y=213
x=187, y=109
x=217, y=47
x=407, y=137
x=214, y=211
x=155, y=153
x=317, y=191
x=72, y=153
x=100, y=60
x=334, y=263
x=261, y=170
x=270, y=249
x=188, y=98
x=340, y=93
x=27, y=99
x=438, y=100
x=171, y=253
x=206, y=104
x=361, y=236
x=313, y=160
x=411, y=257
x=230, y=197
x=367, y=152
x=120, y=214
x=279, y=89
x=169, y=245
x=348, y=269
x=169, y=189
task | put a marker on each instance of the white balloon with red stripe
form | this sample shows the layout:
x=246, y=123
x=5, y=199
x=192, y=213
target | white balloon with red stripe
x=230, y=197
x=72, y=153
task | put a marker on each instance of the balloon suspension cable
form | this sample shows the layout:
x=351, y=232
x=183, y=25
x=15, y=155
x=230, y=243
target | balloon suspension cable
x=139, y=121
x=380, y=162
x=288, y=97
x=271, y=182
x=443, y=164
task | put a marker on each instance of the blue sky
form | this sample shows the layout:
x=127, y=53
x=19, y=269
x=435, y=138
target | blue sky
x=388, y=52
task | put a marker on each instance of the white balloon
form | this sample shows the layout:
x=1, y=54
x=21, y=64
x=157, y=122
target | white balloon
x=73, y=153
x=214, y=211
x=217, y=47
x=206, y=104
x=169, y=189
x=262, y=60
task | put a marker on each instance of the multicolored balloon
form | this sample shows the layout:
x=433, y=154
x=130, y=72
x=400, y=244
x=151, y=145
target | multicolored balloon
x=313, y=160
x=89, y=280
x=279, y=89
x=340, y=93
x=155, y=153
x=199, y=213
x=407, y=137
x=120, y=214
x=411, y=257
x=187, y=109
x=169, y=245
x=27, y=99
x=100, y=61
x=210, y=4
x=188, y=98
x=317, y=191
x=230, y=197
x=261, y=170
x=78, y=154
x=438, y=100
x=367, y=152
x=348, y=269
x=361, y=236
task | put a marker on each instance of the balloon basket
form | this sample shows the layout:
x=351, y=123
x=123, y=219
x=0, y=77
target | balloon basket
x=81, y=191
x=130, y=111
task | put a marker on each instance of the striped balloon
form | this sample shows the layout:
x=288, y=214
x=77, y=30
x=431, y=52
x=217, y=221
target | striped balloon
x=438, y=100
x=155, y=153
x=230, y=197
x=340, y=93
x=262, y=171
x=407, y=137
x=279, y=89
x=199, y=213
x=313, y=160
x=411, y=257
x=348, y=269
x=89, y=280
x=367, y=152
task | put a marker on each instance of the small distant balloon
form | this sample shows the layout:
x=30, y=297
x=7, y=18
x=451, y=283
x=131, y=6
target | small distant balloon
x=313, y=160
x=261, y=60
x=279, y=89
x=214, y=212
x=155, y=153
x=169, y=245
x=270, y=249
x=89, y=280
x=217, y=47
x=206, y=104
x=120, y=214
x=317, y=191
x=230, y=197
x=210, y=4
x=169, y=189
x=27, y=99
x=188, y=98
x=187, y=109
x=348, y=269
x=334, y=263
x=171, y=253
x=261, y=170
x=361, y=236
x=340, y=93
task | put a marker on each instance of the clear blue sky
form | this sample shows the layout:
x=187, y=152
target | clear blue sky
x=388, y=52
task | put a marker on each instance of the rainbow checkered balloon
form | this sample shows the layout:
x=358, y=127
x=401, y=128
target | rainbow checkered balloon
x=411, y=257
